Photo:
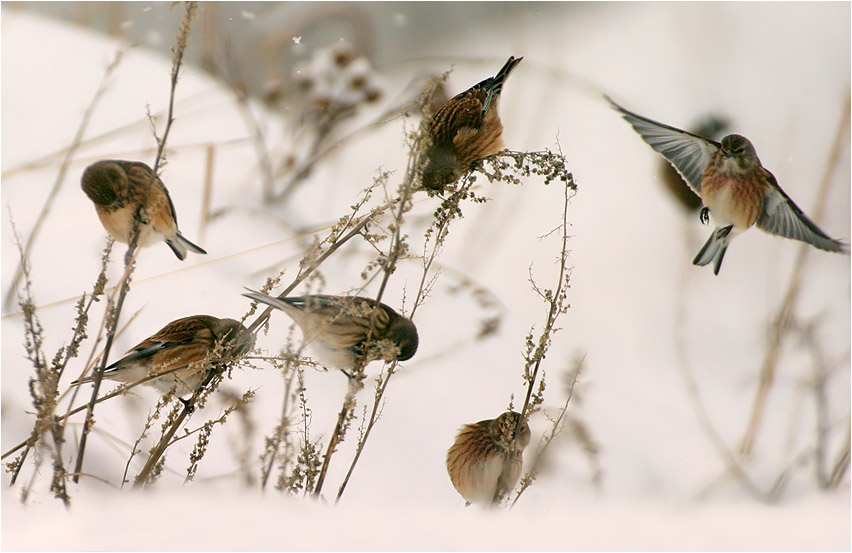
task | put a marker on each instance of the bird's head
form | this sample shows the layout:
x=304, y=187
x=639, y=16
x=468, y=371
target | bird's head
x=102, y=180
x=739, y=147
x=402, y=333
x=441, y=169
x=235, y=337
x=503, y=431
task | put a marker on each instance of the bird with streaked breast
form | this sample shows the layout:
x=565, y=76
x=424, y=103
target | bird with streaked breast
x=127, y=194
x=179, y=355
x=465, y=129
x=735, y=188
x=347, y=332
x=485, y=461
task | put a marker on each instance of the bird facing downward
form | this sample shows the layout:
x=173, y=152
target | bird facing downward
x=465, y=129
x=735, y=188
x=126, y=193
x=347, y=332
x=180, y=353
x=486, y=459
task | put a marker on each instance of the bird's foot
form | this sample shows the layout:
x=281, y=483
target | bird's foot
x=187, y=405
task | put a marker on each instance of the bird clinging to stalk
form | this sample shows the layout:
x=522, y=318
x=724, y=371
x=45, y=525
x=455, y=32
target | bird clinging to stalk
x=465, y=129
x=347, y=332
x=128, y=196
x=486, y=458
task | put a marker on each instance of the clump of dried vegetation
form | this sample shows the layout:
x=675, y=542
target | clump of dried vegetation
x=332, y=87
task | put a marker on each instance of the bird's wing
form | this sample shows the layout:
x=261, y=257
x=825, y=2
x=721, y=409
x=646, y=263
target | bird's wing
x=139, y=353
x=177, y=333
x=687, y=152
x=781, y=216
x=467, y=113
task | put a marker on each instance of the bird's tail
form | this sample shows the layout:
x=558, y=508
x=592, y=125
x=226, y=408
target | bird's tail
x=494, y=84
x=714, y=248
x=181, y=245
x=504, y=72
x=263, y=298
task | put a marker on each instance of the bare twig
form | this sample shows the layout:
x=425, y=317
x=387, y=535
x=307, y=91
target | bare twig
x=388, y=266
x=177, y=59
x=281, y=432
x=113, y=312
x=44, y=386
x=556, y=427
x=841, y=464
x=557, y=300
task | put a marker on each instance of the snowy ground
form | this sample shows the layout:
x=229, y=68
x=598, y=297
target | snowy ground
x=780, y=72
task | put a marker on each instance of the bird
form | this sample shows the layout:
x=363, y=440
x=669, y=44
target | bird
x=180, y=353
x=127, y=193
x=735, y=189
x=712, y=126
x=485, y=460
x=465, y=129
x=347, y=332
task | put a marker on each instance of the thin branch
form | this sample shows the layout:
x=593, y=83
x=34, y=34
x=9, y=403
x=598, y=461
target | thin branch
x=556, y=299
x=177, y=59
x=555, y=429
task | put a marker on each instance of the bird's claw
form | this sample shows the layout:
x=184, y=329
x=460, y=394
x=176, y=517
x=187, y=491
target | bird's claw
x=187, y=405
x=704, y=215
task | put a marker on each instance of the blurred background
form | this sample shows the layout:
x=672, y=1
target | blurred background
x=286, y=111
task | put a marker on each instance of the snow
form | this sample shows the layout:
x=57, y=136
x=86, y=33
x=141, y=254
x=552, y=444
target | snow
x=779, y=71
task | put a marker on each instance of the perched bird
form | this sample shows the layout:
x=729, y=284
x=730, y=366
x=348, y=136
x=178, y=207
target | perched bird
x=465, y=129
x=346, y=332
x=711, y=127
x=736, y=190
x=485, y=461
x=128, y=193
x=181, y=353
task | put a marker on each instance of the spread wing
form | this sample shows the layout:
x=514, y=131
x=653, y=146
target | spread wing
x=687, y=152
x=783, y=217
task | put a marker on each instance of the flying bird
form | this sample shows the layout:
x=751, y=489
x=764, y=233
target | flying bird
x=127, y=194
x=180, y=354
x=465, y=129
x=485, y=461
x=347, y=332
x=735, y=188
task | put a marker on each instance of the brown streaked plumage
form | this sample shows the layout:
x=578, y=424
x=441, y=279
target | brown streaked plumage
x=485, y=461
x=127, y=193
x=735, y=188
x=346, y=332
x=465, y=129
x=181, y=352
